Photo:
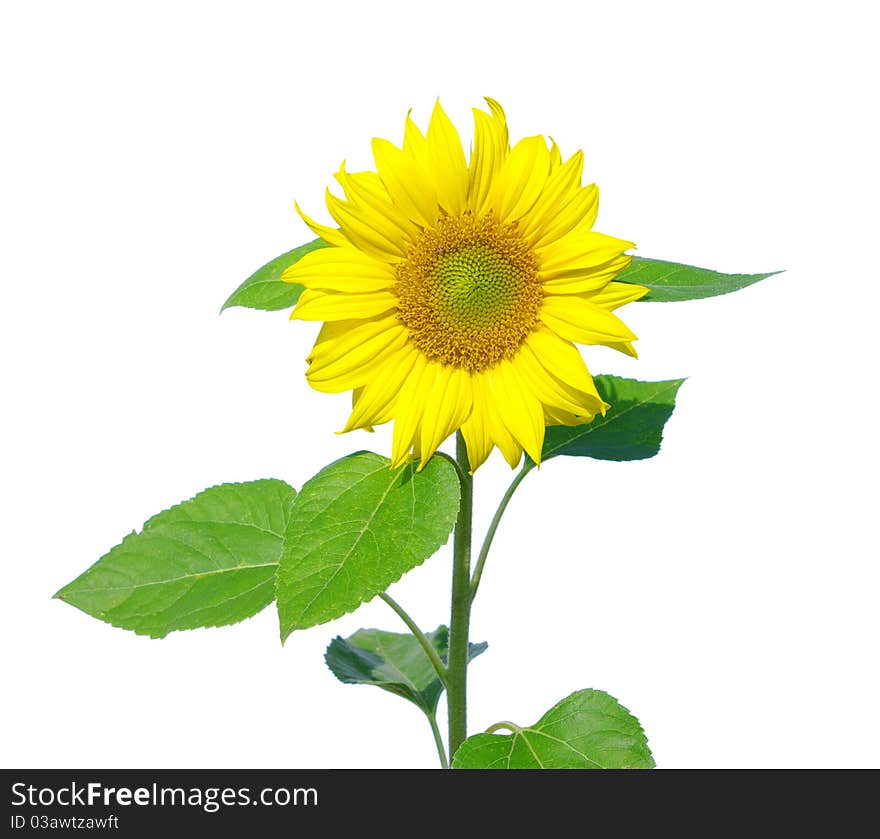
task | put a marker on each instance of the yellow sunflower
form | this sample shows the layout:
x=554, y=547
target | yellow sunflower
x=453, y=290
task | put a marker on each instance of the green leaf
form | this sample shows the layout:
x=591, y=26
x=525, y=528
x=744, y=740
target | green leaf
x=209, y=561
x=264, y=289
x=670, y=281
x=357, y=527
x=632, y=429
x=587, y=730
x=393, y=662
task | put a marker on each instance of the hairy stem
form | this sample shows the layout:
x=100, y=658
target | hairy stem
x=496, y=520
x=438, y=741
x=456, y=685
x=420, y=636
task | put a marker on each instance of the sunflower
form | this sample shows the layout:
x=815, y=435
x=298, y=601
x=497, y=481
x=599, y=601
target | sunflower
x=452, y=291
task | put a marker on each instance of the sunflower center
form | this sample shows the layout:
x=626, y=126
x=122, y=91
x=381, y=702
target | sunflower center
x=468, y=291
x=475, y=286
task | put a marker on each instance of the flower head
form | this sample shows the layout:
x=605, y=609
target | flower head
x=453, y=290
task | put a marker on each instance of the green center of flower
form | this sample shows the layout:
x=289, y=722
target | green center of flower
x=469, y=292
x=475, y=286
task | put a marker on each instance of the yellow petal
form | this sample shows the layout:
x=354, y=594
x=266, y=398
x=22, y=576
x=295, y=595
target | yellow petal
x=376, y=399
x=340, y=340
x=330, y=235
x=368, y=230
x=362, y=183
x=587, y=279
x=577, y=319
x=578, y=249
x=407, y=184
x=575, y=211
x=510, y=449
x=558, y=416
x=491, y=145
x=519, y=182
x=476, y=430
x=518, y=407
x=561, y=358
x=625, y=347
x=315, y=304
x=357, y=367
x=552, y=392
x=365, y=191
x=410, y=408
x=340, y=269
x=446, y=164
x=414, y=142
x=561, y=188
x=447, y=406
x=355, y=395
x=614, y=295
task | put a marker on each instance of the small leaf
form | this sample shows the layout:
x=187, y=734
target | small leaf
x=587, y=730
x=671, y=282
x=632, y=429
x=357, y=527
x=393, y=662
x=209, y=561
x=264, y=289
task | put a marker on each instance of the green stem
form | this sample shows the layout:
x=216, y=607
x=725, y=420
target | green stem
x=438, y=741
x=510, y=726
x=420, y=636
x=456, y=685
x=496, y=520
x=462, y=473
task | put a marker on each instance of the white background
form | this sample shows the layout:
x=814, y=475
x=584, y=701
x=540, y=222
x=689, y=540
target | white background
x=725, y=591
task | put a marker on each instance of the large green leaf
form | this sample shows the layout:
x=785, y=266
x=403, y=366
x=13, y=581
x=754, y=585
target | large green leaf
x=587, y=730
x=393, y=662
x=264, y=289
x=209, y=561
x=357, y=527
x=670, y=281
x=632, y=429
